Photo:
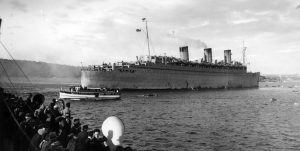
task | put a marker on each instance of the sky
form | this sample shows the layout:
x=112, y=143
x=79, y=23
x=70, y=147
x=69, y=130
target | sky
x=87, y=32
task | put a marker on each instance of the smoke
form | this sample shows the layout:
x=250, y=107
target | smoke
x=298, y=7
x=196, y=43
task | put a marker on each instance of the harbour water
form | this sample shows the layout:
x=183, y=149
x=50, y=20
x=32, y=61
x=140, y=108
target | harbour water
x=245, y=119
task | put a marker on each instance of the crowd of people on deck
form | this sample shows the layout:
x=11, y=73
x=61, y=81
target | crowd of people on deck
x=52, y=127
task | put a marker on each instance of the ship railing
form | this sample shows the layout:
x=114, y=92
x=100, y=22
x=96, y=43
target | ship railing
x=15, y=126
x=97, y=69
x=102, y=92
x=107, y=68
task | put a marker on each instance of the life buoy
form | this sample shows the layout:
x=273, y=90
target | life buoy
x=113, y=129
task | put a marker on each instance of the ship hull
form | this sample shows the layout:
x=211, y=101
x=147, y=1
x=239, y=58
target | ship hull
x=149, y=78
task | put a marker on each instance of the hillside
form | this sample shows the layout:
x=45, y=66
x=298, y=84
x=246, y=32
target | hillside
x=280, y=78
x=39, y=71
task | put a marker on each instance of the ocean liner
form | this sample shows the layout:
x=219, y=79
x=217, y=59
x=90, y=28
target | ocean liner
x=163, y=72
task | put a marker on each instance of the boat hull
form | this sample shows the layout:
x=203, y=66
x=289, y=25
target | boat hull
x=149, y=78
x=78, y=96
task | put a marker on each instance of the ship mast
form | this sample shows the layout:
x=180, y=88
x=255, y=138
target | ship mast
x=0, y=25
x=244, y=54
x=149, y=56
x=147, y=35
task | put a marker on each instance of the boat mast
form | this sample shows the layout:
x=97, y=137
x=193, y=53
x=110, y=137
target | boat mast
x=149, y=56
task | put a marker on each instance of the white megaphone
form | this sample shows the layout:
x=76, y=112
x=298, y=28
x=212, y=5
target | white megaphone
x=113, y=129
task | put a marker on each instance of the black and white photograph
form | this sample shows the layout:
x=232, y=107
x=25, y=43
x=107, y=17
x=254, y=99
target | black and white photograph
x=149, y=75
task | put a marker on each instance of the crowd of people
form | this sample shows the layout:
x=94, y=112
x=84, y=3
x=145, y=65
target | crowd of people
x=52, y=127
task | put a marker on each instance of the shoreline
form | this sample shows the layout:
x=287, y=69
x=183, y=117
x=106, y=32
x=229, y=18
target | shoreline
x=39, y=80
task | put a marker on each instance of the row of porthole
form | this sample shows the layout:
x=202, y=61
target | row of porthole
x=178, y=70
x=206, y=67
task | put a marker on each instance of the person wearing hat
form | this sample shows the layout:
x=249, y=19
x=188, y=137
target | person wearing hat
x=56, y=111
x=63, y=132
x=82, y=139
x=50, y=121
x=37, y=138
x=45, y=144
x=72, y=144
x=76, y=128
x=67, y=111
x=97, y=143
x=29, y=124
x=28, y=116
x=68, y=122
x=37, y=101
x=56, y=145
x=28, y=103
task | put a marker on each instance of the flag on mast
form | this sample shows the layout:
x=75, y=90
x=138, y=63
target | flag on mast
x=138, y=30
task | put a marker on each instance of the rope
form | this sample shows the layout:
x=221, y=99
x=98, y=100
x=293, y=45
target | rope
x=15, y=62
x=14, y=88
x=7, y=75
x=151, y=45
x=19, y=126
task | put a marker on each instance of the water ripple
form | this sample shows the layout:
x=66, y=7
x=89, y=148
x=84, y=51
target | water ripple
x=197, y=120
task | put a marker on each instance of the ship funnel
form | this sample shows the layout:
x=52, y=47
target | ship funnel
x=208, y=55
x=184, y=53
x=227, y=56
